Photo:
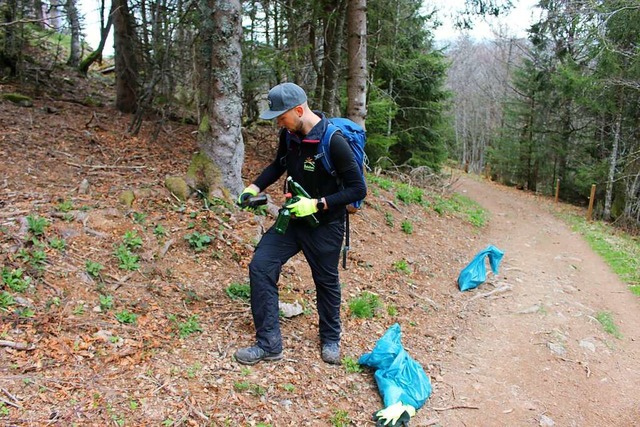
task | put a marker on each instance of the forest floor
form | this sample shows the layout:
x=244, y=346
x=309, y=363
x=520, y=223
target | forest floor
x=522, y=349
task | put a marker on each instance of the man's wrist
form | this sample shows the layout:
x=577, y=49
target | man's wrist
x=321, y=204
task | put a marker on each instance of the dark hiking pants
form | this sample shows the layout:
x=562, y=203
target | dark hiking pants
x=321, y=247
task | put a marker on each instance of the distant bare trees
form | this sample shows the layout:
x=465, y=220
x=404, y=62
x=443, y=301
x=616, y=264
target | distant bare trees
x=479, y=78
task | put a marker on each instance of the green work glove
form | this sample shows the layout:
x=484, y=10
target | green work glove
x=395, y=415
x=303, y=207
x=246, y=193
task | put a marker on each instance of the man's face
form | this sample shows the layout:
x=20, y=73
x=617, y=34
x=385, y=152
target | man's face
x=291, y=119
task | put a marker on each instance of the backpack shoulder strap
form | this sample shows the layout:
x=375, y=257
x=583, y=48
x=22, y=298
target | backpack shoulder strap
x=323, y=149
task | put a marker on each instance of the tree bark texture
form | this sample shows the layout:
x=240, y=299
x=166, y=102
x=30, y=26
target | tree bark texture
x=76, y=30
x=357, y=62
x=220, y=100
x=126, y=62
x=613, y=164
x=9, y=49
x=334, y=40
x=55, y=14
x=96, y=55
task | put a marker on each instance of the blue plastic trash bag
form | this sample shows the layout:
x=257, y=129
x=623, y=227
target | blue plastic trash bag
x=475, y=273
x=399, y=377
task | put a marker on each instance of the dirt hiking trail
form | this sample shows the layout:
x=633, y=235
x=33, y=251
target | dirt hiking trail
x=535, y=354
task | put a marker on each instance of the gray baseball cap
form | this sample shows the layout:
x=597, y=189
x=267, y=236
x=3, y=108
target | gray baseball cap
x=283, y=98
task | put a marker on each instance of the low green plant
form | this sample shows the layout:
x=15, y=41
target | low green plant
x=189, y=326
x=36, y=225
x=6, y=301
x=139, y=217
x=132, y=240
x=340, y=419
x=365, y=306
x=198, y=241
x=193, y=370
x=57, y=244
x=388, y=219
x=65, y=206
x=406, y=226
x=38, y=259
x=4, y=410
x=470, y=210
x=350, y=365
x=128, y=260
x=392, y=310
x=289, y=387
x=53, y=301
x=159, y=231
x=384, y=183
x=402, y=266
x=252, y=388
x=239, y=291
x=15, y=279
x=25, y=312
x=606, y=320
x=125, y=316
x=619, y=250
x=409, y=194
x=241, y=385
x=106, y=302
x=93, y=268
x=78, y=309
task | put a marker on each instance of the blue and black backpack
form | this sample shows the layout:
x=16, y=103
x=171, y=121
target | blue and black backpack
x=355, y=136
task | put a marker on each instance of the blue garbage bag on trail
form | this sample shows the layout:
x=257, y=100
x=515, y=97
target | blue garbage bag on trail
x=475, y=273
x=399, y=377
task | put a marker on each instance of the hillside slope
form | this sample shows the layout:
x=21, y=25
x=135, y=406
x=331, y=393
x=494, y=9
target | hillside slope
x=148, y=338
x=68, y=164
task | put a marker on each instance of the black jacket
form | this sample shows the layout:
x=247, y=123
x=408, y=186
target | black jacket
x=296, y=155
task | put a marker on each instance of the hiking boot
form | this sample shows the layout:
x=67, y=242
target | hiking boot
x=331, y=352
x=254, y=354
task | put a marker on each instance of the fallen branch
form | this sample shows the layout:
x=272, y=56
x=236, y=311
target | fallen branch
x=166, y=247
x=432, y=303
x=17, y=345
x=6, y=402
x=393, y=205
x=499, y=290
x=448, y=408
x=105, y=166
x=585, y=365
x=10, y=396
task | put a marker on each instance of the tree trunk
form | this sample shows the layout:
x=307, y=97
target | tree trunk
x=220, y=101
x=357, y=63
x=96, y=55
x=55, y=14
x=126, y=61
x=613, y=162
x=9, y=50
x=38, y=13
x=76, y=30
x=334, y=30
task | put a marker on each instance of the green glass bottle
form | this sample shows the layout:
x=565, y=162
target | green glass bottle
x=282, y=222
x=297, y=190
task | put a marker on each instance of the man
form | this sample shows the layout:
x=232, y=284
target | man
x=302, y=130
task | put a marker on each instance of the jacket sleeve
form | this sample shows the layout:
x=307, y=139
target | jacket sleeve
x=353, y=186
x=276, y=168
